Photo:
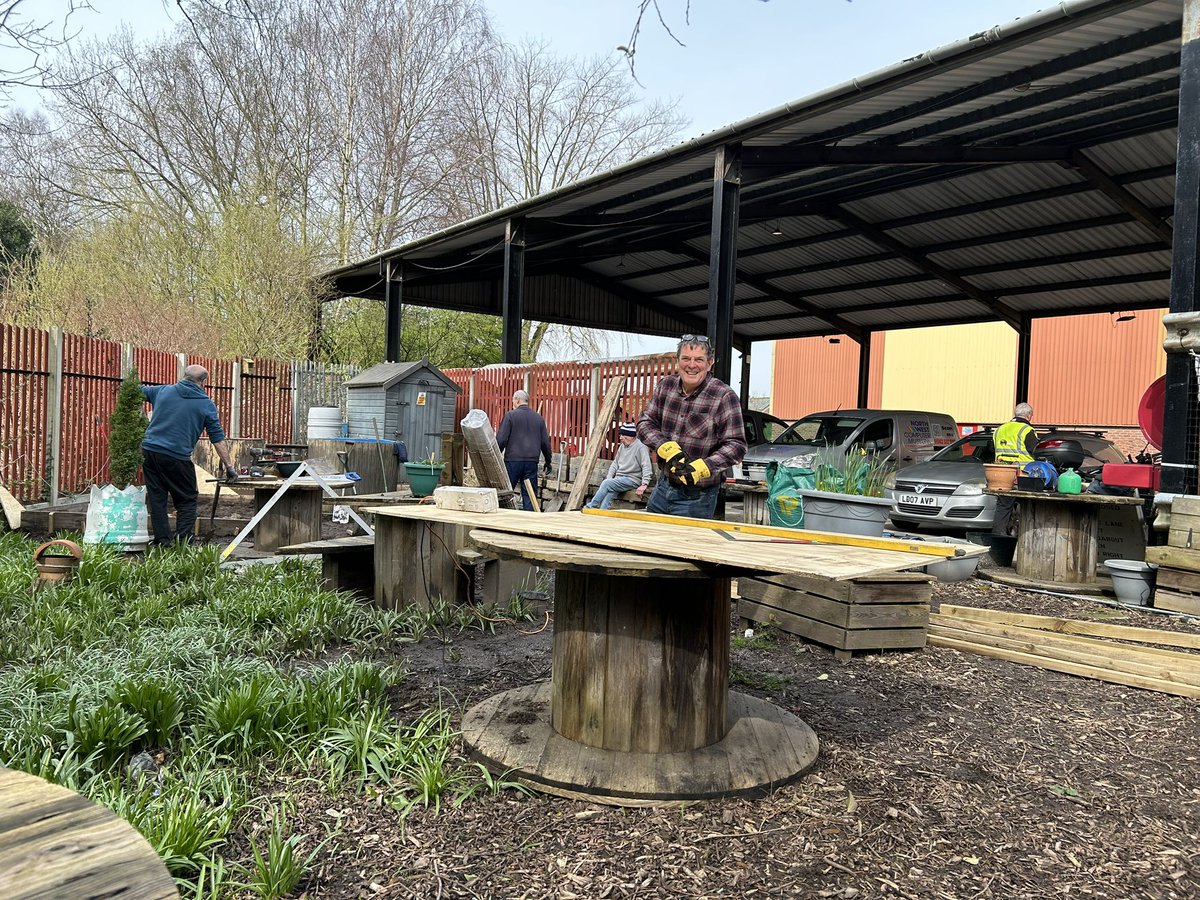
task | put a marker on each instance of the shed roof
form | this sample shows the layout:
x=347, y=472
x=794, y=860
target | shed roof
x=1027, y=170
x=386, y=374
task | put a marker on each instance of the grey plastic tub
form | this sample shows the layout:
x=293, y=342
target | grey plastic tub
x=1133, y=580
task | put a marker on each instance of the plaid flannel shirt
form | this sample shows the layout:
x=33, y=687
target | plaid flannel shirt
x=707, y=424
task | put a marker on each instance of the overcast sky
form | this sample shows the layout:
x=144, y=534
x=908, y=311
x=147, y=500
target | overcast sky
x=740, y=57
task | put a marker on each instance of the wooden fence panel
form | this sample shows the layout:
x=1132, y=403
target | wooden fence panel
x=91, y=377
x=561, y=392
x=24, y=378
x=494, y=387
x=156, y=366
x=266, y=402
x=462, y=400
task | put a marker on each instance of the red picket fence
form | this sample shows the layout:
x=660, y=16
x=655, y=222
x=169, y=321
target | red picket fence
x=91, y=372
x=562, y=392
x=24, y=378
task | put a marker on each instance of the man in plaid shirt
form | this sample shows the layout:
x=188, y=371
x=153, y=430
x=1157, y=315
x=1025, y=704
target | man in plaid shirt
x=693, y=425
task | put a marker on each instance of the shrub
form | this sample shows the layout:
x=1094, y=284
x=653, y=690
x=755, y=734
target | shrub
x=127, y=426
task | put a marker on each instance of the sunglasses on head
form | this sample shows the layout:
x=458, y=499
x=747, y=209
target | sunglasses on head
x=693, y=338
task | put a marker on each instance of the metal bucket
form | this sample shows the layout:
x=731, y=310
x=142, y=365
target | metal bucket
x=57, y=569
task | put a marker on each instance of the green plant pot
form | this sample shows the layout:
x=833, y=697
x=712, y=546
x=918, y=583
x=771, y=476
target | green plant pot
x=423, y=477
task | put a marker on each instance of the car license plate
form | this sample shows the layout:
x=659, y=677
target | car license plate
x=919, y=499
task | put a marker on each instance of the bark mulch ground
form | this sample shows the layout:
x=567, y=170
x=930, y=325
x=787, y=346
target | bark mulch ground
x=941, y=775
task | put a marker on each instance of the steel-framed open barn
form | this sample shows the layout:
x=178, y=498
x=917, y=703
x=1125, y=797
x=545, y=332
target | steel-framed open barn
x=1029, y=170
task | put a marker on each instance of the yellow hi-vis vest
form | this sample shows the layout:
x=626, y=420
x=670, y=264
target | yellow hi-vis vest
x=1009, y=441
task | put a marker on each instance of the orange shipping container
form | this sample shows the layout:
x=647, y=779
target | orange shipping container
x=811, y=374
x=1084, y=370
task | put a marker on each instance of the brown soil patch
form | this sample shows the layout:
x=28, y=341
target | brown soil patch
x=941, y=775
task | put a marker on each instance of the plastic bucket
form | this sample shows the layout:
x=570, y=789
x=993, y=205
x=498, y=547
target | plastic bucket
x=845, y=513
x=1133, y=581
x=948, y=570
x=324, y=423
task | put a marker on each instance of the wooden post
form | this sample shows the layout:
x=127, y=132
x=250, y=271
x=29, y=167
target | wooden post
x=54, y=398
x=235, y=404
x=640, y=676
x=416, y=562
x=294, y=519
x=595, y=441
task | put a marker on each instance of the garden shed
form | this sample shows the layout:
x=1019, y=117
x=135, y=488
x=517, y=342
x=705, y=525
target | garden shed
x=411, y=402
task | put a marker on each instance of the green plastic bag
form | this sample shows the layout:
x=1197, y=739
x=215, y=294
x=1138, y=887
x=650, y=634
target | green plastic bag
x=785, y=506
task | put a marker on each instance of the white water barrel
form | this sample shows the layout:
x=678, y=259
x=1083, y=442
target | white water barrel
x=324, y=423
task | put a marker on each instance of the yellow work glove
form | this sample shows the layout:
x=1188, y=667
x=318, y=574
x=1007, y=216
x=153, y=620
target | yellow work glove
x=696, y=470
x=672, y=454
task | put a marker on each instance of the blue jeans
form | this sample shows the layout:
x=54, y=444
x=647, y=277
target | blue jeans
x=610, y=488
x=518, y=471
x=673, y=500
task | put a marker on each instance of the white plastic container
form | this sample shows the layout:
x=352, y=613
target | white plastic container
x=324, y=423
x=1133, y=580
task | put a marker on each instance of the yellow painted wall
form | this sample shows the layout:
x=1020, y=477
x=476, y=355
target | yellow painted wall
x=967, y=371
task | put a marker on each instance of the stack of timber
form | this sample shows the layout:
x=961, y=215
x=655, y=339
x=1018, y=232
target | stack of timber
x=1095, y=650
x=877, y=613
x=1178, y=585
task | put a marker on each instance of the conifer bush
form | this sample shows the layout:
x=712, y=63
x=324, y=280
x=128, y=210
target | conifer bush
x=127, y=426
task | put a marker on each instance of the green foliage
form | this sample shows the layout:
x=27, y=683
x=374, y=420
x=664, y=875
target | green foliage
x=213, y=670
x=277, y=870
x=859, y=474
x=17, y=247
x=127, y=427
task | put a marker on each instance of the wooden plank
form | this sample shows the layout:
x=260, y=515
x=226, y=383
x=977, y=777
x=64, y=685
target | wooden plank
x=11, y=507
x=676, y=541
x=1175, y=557
x=595, y=442
x=1058, y=650
x=1075, y=626
x=799, y=535
x=834, y=612
x=1177, y=602
x=899, y=587
x=332, y=545
x=1070, y=668
x=1185, y=505
x=1174, y=659
x=1180, y=580
x=831, y=636
x=581, y=557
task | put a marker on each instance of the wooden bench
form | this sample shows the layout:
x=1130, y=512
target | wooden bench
x=347, y=563
x=885, y=612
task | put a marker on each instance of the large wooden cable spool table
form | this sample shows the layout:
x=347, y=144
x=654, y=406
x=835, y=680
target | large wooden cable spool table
x=1058, y=537
x=57, y=843
x=638, y=708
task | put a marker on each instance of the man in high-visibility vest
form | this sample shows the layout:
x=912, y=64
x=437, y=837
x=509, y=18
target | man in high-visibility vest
x=1014, y=443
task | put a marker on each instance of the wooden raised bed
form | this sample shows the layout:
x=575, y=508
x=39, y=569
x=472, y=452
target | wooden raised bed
x=889, y=612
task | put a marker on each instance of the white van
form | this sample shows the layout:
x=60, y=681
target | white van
x=906, y=437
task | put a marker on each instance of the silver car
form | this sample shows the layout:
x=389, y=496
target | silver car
x=947, y=491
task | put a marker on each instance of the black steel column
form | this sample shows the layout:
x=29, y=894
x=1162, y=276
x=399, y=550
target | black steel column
x=1024, y=353
x=514, y=286
x=864, y=370
x=393, y=302
x=1180, y=434
x=745, y=391
x=722, y=256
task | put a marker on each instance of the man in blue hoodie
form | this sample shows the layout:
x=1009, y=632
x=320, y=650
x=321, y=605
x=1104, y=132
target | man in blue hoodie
x=180, y=412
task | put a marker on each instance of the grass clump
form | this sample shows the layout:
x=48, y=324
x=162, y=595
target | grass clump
x=168, y=690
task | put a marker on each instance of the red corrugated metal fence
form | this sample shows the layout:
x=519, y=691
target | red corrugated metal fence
x=24, y=378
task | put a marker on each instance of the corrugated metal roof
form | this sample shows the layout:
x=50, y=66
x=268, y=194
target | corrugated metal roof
x=1043, y=186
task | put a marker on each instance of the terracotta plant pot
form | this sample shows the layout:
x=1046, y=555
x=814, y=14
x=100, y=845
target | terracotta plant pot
x=1000, y=476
